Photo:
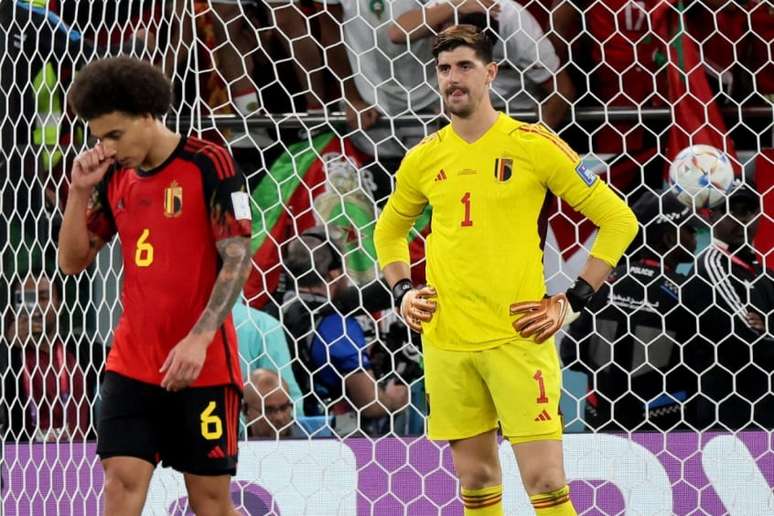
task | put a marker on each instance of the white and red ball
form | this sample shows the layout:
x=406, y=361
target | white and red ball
x=701, y=176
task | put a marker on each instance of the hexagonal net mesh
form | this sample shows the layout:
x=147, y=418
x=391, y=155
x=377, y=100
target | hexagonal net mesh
x=667, y=397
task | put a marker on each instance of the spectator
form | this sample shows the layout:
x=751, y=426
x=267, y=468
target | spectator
x=733, y=298
x=262, y=345
x=35, y=130
x=50, y=381
x=521, y=49
x=237, y=50
x=613, y=43
x=334, y=365
x=390, y=79
x=268, y=408
x=629, y=340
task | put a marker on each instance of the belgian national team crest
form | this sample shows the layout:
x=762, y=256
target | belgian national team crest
x=503, y=169
x=173, y=200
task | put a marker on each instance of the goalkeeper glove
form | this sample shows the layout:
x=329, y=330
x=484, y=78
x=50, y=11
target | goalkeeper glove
x=413, y=304
x=546, y=317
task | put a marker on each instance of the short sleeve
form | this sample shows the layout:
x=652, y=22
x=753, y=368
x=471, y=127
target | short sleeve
x=225, y=192
x=99, y=216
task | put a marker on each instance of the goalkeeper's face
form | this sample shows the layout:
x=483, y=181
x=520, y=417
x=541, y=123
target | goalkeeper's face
x=464, y=80
x=130, y=136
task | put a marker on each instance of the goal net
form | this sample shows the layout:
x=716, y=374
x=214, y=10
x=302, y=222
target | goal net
x=667, y=398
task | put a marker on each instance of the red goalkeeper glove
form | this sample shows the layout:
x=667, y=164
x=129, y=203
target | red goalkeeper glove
x=546, y=317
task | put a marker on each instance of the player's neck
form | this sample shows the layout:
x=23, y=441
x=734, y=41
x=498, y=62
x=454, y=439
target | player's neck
x=165, y=143
x=473, y=127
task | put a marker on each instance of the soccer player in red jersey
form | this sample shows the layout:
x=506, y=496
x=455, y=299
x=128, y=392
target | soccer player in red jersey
x=178, y=204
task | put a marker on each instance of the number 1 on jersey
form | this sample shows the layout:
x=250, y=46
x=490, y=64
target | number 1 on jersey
x=466, y=222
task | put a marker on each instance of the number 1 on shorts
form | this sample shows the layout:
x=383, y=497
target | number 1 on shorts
x=542, y=398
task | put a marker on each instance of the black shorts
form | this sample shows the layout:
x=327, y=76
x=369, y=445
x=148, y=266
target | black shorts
x=192, y=431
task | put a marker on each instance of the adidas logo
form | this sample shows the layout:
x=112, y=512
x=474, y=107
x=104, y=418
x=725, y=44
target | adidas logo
x=216, y=453
x=441, y=176
x=543, y=416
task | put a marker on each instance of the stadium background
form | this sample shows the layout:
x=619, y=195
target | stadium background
x=648, y=78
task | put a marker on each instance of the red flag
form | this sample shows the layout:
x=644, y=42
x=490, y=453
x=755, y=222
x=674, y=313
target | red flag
x=697, y=118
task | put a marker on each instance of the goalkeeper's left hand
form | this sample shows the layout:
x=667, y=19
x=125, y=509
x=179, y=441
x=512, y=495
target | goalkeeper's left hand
x=546, y=317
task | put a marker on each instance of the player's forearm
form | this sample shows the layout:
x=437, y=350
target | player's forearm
x=390, y=235
x=420, y=23
x=616, y=222
x=235, y=254
x=396, y=271
x=74, y=242
x=595, y=272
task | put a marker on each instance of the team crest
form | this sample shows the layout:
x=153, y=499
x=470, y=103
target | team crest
x=173, y=200
x=503, y=169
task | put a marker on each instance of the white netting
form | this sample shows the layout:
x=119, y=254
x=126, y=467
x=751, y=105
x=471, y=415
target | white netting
x=318, y=102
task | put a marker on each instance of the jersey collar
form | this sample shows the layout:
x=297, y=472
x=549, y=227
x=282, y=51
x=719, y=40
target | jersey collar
x=158, y=168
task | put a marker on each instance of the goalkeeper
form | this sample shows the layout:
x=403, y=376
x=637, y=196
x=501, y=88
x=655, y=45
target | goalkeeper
x=490, y=358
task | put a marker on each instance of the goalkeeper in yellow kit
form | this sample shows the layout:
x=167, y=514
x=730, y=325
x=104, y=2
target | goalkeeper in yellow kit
x=488, y=325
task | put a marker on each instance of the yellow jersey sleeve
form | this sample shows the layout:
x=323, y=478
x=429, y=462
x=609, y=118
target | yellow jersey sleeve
x=565, y=175
x=401, y=211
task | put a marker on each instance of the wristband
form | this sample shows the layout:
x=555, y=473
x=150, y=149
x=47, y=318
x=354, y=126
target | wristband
x=579, y=294
x=399, y=290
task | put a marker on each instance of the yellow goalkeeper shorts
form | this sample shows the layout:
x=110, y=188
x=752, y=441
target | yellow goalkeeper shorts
x=517, y=384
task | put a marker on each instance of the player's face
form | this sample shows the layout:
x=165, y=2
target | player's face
x=463, y=80
x=130, y=136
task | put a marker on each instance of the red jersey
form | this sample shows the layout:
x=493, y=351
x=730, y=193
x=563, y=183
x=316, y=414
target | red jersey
x=622, y=51
x=168, y=220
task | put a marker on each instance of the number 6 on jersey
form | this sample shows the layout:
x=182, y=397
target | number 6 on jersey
x=143, y=255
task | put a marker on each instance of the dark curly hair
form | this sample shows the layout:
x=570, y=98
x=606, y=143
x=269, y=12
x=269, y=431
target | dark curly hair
x=463, y=36
x=123, y=84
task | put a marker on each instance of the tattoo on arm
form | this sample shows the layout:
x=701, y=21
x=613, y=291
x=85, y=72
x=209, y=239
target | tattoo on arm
x=235, y=253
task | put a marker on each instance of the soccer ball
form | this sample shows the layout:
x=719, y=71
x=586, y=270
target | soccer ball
x=701, y=176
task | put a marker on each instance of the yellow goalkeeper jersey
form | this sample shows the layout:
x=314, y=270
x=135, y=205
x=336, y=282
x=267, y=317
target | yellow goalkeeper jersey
x=489, y=205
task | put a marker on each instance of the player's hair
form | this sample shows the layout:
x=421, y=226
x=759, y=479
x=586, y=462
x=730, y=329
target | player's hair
x=120, y=84
x=463, y=36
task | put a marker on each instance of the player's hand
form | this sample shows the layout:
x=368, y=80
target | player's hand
x=361, y=115
x=543, y=318
x=90, y=167
x=417, y=307
x=185, y=362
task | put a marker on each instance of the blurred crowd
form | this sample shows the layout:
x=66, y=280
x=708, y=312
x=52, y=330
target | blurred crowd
x=319, y=101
